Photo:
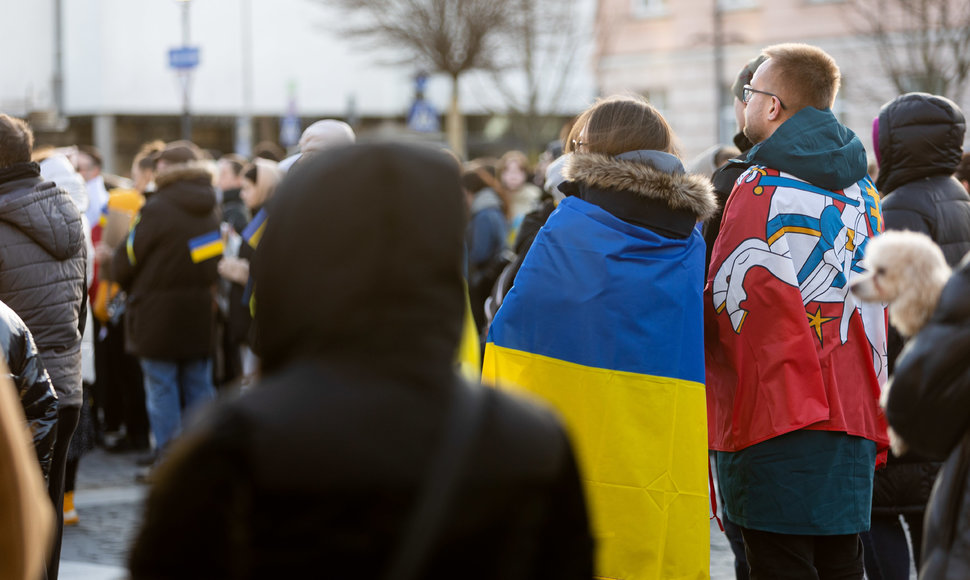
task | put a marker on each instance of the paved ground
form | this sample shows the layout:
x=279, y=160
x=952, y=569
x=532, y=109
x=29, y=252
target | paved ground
x=109, y=504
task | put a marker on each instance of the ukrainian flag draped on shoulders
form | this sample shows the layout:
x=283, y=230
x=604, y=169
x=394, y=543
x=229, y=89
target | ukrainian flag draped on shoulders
x=605, y=322
x=789, y=347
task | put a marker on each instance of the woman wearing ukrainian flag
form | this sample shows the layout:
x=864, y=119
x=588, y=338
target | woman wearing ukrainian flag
x=605, y=322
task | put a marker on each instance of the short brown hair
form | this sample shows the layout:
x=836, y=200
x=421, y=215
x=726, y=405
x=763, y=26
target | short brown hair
x=619, y=124
x=16, y=141
x=807, y=75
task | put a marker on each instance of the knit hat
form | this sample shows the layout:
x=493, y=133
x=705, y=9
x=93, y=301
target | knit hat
x=745, y=74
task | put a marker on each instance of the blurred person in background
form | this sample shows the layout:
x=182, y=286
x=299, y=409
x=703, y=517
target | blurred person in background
x=120, y=380
x=918, y=141
x=88, y=160
x=512, y=172
x=259, y=183
x=168, y=270
x=229, y=181
x=484, y=239
x=321, y=135
x=42, y=233
x=55, y=167
x=361, y=453
x=724, y=178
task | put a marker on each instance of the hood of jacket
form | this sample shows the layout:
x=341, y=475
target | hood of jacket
x=919, y=135
x=652, y=175
x=813, y=145
x=485, y=199
x=188, y=185
x=44, y=212
x=382, y=281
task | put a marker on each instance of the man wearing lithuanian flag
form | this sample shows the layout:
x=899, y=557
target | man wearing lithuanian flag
x=793, y=362
x=604, y=321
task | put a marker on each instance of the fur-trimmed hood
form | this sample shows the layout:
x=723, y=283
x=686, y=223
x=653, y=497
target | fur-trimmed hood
x=188, y=185
x=191, y=171
x=651, y=174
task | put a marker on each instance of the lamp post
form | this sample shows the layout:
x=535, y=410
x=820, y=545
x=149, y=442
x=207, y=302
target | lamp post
x=185, y=75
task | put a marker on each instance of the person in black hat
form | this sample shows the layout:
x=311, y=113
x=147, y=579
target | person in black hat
x=320, y=468
x=168, y=268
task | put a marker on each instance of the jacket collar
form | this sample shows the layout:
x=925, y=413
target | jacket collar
x=651, y=175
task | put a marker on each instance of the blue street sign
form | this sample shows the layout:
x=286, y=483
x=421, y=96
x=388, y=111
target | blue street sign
x=183, y=57
x=423, y=117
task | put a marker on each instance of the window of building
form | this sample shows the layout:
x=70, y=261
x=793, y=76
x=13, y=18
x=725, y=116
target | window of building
x=649, y=8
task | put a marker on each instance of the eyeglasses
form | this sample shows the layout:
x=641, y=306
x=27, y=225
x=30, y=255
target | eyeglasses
x=748, y=89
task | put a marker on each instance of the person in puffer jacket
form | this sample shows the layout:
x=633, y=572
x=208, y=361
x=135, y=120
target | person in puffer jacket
x=42, y=279
x=919, y=145
x=928, y=401
x=33, y=384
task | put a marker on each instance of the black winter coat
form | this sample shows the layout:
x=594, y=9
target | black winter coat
x=920, y=145
x=42, y=271
x=928, y=407
x=171, y=300
x=315, y=471
x=32, y=382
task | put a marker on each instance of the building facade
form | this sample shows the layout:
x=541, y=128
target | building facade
x=684, y=54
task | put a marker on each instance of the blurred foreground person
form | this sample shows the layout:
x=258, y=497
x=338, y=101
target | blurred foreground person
x=928, y=400
x=605, y=322
x=26, y=516
x=326, y=467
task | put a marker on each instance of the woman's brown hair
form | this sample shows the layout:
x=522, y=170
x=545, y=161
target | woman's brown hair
x=619, y=124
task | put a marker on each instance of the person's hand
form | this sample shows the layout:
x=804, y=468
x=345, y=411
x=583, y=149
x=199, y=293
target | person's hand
x=103, y=253
x=234, y=269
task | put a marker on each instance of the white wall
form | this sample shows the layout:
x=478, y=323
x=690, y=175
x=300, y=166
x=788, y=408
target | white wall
x=116, y=61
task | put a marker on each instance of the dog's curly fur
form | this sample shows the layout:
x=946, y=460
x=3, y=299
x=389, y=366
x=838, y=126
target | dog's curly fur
x=907, y=271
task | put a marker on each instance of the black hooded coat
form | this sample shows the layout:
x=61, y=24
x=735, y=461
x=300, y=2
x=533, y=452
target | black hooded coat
x=316, y=470
x=920, y=140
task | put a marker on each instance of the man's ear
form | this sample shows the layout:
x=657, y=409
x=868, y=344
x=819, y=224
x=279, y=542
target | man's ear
x=775, y=111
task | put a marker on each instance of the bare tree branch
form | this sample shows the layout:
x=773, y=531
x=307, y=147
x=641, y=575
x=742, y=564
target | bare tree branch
x=923, y=45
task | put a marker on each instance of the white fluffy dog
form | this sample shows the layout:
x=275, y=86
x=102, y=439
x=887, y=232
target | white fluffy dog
x=907, y=271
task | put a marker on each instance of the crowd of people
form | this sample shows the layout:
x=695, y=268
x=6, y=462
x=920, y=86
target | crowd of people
x=646, y=324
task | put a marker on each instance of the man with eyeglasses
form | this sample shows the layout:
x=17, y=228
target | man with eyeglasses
x=793, y=363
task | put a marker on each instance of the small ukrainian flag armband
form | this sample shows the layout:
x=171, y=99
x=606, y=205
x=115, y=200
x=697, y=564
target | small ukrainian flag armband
x=206, y=246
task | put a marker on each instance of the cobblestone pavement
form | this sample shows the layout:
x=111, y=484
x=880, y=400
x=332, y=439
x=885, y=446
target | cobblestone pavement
x=109, y=503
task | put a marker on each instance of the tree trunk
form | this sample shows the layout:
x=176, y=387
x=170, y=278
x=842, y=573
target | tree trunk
x=455, y=123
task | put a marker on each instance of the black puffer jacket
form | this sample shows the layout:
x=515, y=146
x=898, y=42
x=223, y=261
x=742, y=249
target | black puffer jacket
x=315, y=471
x=171, y=309
x=920, y=146
x=929, y=407
x=32, y=382
x=42, y=271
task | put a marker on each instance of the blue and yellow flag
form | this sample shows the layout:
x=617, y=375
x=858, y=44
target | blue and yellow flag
x=206, y=246
x=605, y=323
x=253, y=231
